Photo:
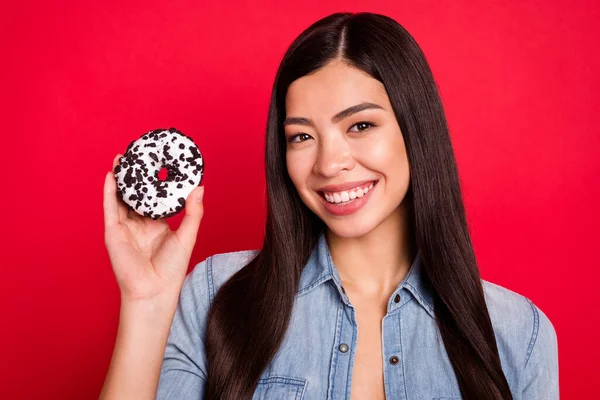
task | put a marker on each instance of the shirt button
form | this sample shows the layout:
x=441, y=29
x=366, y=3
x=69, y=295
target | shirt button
x=394, y=360
x=397, y=298
x=343, y=347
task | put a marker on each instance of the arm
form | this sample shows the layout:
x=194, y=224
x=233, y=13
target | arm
x=540, y=375
x=159, y=353
x=141, y=338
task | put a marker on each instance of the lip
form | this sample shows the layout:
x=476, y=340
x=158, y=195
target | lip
x=344, y=186
x=351, y=207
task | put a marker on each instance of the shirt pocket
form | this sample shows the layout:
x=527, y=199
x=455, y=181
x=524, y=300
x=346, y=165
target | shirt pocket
x=280, y=387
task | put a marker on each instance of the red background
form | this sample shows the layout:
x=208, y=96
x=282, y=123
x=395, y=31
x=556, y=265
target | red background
x=519, y=81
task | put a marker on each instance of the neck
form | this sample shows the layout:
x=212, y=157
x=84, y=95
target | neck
x=374, y=264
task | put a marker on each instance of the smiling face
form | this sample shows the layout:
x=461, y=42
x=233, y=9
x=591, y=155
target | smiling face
x=342, y=137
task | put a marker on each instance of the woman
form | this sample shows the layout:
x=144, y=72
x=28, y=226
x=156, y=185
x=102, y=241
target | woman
x=366, y=286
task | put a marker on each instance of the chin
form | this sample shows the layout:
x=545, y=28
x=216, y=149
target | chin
x=352, y=233
x=349, y=227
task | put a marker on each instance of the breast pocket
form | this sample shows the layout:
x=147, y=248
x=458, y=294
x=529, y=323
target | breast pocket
x=280, y=387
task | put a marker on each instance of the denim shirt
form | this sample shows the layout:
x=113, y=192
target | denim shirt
x=317, y=354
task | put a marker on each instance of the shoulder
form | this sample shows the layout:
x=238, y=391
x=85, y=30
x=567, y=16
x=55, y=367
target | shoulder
x=522, y=329
x=184, y=367
x=210, y=274
x=195, y=298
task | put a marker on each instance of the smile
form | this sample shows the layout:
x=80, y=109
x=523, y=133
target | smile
x=348, y=195
x=348, y=201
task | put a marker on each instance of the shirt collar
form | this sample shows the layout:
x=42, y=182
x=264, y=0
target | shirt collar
x=320, y=268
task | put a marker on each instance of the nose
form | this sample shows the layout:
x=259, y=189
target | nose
x=334, y=155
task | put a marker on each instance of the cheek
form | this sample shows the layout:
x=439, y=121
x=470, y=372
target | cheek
x=298, y=168
x=386, y=154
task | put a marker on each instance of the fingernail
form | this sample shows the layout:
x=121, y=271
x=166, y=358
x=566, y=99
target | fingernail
x=200, y=195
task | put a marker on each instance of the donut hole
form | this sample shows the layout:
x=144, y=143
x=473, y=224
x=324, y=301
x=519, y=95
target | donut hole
x=162, y=174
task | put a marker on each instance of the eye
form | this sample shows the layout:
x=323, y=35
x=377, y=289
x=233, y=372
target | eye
x=291, y=139
x=364, y=124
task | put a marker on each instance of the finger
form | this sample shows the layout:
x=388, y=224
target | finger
x=111, y=208
x=121, y=206
x=194, y=211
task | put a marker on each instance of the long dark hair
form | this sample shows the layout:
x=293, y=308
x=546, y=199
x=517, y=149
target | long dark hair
x=251, y=312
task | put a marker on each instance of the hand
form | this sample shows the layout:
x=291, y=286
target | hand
x=148, y=258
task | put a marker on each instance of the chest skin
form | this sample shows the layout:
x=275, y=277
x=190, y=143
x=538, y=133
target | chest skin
x=367, y=371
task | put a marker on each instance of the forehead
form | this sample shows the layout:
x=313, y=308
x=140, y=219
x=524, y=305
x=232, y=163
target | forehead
x=331, y=89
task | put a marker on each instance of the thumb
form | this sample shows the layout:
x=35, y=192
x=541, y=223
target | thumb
x=194, y=211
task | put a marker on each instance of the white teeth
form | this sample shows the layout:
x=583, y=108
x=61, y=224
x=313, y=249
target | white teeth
x=345, y=196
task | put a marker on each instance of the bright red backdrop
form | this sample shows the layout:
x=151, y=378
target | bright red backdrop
x=519, y=81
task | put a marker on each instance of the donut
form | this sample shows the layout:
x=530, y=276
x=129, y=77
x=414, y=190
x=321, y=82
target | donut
x=138, y=184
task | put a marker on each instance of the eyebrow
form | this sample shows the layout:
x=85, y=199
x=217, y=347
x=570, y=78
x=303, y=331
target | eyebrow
x=336, y=118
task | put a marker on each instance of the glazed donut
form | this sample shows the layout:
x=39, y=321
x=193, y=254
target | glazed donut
x=138, y=184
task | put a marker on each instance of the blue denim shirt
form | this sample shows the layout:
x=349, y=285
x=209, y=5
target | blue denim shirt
x=317, y=354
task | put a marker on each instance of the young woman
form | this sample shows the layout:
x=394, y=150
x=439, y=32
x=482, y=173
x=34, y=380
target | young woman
x=366, y=287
